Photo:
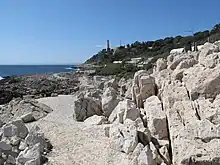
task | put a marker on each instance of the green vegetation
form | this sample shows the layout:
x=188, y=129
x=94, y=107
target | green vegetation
x=150, y=49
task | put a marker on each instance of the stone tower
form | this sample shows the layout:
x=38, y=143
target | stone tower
x=108, y=46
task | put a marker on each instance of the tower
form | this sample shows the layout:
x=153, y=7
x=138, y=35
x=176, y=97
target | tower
x=108, y=46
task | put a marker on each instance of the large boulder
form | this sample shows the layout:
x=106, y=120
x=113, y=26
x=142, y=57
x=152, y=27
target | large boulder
x=19, y=108
x=207, y=50
x=85, y=107
x=202, y=82
x=197, y=143
x=123, y=138
x=124, y=110
x=95, y=120
x=156, y=118
x=109, y=101
x=143, y=87
x=174, y=91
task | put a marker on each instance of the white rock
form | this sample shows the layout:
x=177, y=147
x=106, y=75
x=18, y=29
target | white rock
x=30, y=154
x=146, y=157
x=142, y=88
x=165, y=154
x=161, y=64
x=124, y=110
x=109, y=101
x=123, y=138
x=156, y=117
x=207, y=49
x=202, y=82
x=22, y=145
x=95, y=120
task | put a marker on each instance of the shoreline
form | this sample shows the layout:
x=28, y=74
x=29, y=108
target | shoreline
x=38, y=85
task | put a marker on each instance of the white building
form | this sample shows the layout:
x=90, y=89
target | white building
x=134, y=60
x=180, y=50
x=117, y=62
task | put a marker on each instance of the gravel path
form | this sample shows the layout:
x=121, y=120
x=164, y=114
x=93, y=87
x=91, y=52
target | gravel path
x=75, y=143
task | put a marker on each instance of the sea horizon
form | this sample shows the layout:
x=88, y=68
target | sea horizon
x=19, y=70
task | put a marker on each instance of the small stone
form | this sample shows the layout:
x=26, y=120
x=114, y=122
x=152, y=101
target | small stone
x=22, y=129
x=5, y=146
x=15, y=140
x=22, y=145
x=10, y=130
x=28, y=118
x=11, y=160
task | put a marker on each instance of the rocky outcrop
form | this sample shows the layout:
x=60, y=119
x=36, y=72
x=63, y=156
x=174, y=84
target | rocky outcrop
x=20, y=146
x=41, y=85
x=28, y=110
x=178, y=107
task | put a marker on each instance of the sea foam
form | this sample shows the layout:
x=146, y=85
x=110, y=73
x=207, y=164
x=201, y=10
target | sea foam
x=1, y=78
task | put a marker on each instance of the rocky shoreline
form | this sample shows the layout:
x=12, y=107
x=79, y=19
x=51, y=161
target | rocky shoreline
x=37, y=86
x=169, y=117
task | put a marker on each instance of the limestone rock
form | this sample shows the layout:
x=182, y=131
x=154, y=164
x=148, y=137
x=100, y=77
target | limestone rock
x=187, y=63
x=123, y=138
x=175, y=91
x=95, y=120
x=113, y=83
x=32, y=154
x=143, y=87
x=207, y=49
x=86, y=107
x=28, y=118
x=164, y=154
x=161, y=64
x=125, y=110
x=175, y=63
x=156, y=117
x=202, y=82
x=109, y=101
x=198, y=143
x=18, y=107
x=146, y=157
x=36, y=137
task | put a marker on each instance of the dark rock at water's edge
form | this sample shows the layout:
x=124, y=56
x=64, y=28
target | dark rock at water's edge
x=39, y=85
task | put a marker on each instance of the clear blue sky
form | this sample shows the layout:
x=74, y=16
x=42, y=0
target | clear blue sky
x=70, y=31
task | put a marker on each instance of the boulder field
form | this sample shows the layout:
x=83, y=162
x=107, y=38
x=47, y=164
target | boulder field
x=169, y=117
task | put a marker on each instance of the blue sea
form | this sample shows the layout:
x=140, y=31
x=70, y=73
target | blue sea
x=14, y=70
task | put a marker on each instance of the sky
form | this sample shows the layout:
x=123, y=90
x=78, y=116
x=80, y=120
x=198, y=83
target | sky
x=71, y=31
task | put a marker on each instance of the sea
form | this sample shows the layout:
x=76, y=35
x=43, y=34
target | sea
x=15, y=70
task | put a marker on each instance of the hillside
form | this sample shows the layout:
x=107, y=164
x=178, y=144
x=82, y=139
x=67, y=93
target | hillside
x=149, y=49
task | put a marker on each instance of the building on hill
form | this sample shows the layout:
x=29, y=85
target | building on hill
x=181, y=50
